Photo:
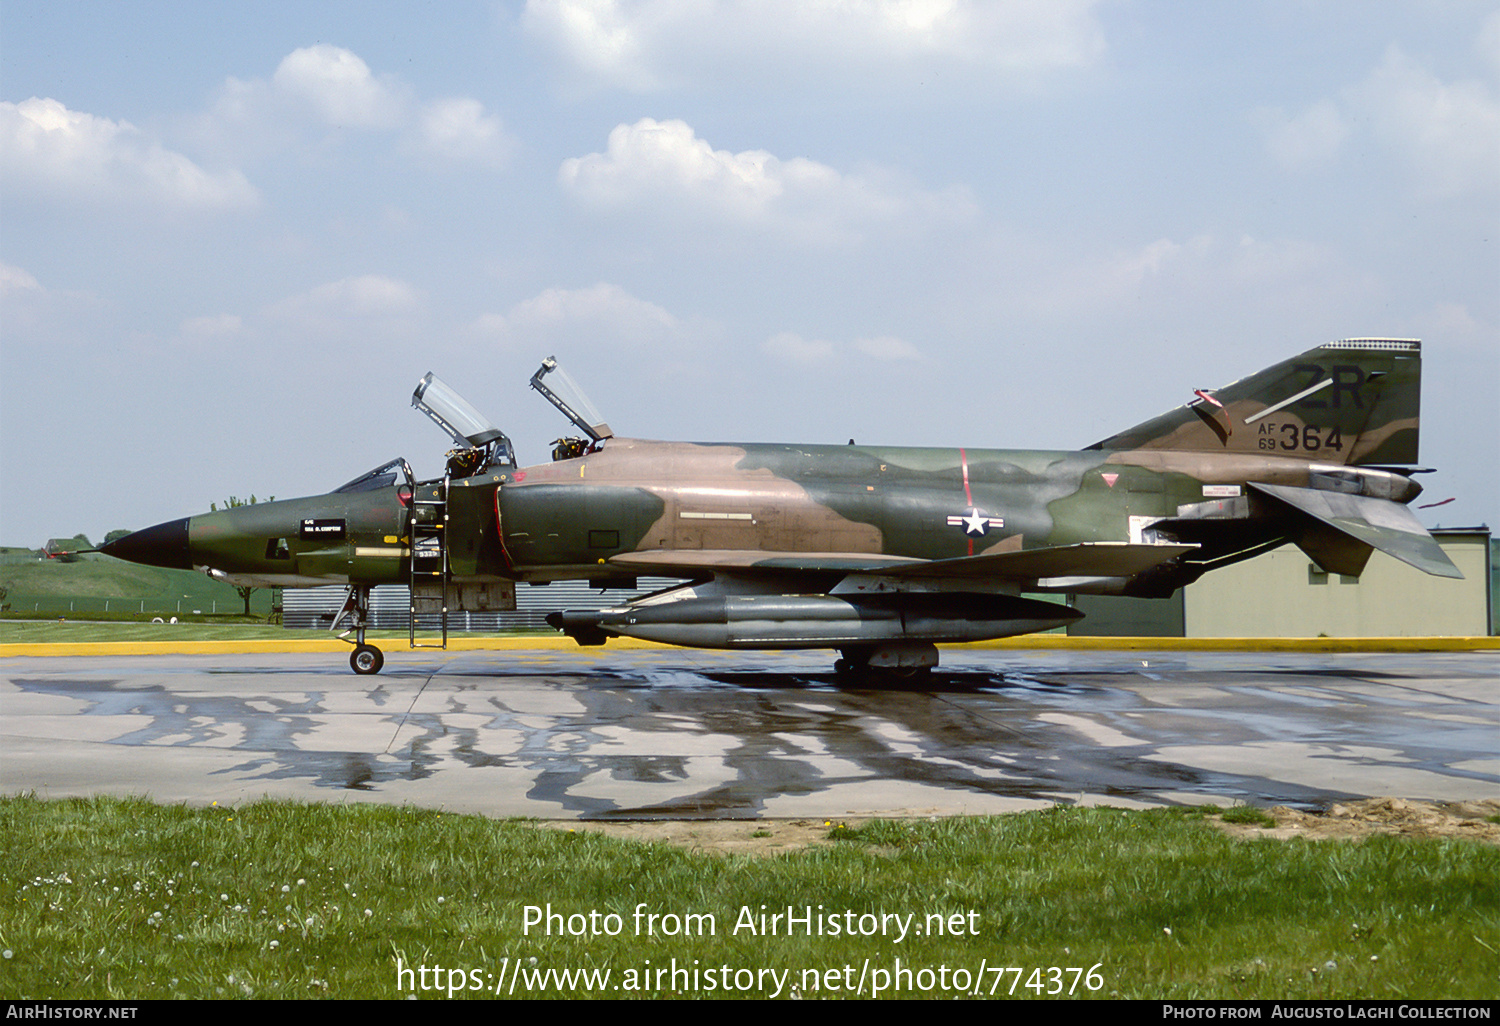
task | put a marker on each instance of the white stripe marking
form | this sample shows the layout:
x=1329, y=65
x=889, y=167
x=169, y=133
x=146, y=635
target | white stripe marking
x=1291, y=399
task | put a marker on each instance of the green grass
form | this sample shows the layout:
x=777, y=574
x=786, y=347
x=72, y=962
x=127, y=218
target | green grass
x=16, y=630
x=224, y=628
x=124, y=899
x=1248, y=814
x=51, y=586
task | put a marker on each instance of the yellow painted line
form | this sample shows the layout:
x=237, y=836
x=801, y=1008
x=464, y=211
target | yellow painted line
x=1400, y=644
x=1043, y=642
x=124, y=648
x=257, y=645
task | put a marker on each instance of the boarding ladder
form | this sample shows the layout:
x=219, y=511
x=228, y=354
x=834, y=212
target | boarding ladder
x=430, y=572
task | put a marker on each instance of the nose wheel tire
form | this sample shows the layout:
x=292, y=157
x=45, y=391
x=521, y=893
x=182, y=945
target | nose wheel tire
x=366, y=659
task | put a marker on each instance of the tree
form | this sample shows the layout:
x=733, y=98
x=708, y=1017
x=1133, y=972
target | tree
x=116, y=535
x=234, y=501
x=243, y=590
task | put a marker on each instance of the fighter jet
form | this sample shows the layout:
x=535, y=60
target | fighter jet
x=881, y=553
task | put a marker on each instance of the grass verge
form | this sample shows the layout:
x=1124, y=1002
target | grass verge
x=88, y=631
x=125, y=899
x=20, y=631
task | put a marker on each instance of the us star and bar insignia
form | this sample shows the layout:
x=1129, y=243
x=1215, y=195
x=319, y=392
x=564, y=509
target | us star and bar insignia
x=975, y=522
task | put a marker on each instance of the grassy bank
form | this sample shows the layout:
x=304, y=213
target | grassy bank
x=125, y=899
x=96, y=585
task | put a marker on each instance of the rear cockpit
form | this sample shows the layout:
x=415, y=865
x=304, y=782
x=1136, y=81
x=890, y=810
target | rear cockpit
x=564, y=393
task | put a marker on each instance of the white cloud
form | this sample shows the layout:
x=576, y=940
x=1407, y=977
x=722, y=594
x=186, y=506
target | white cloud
x=667, y=158
x=789, y=347
x=458, y=129
x=1163, y=256
x=644, y=45
x=358, y=304
x=45, y=147
x=1309, y=139
x=600, y=37
x=1488, y=43
x=887, y=348
x=1452, y=318
x=1457, y=329
x=602, y=302
x=333, y=88
x=339, y=88
x=1448, y=132
x=15, y=280
x=1253, y=261
x=1167, y=273
x=602, y=312
x=662, y=167
x=369, y=295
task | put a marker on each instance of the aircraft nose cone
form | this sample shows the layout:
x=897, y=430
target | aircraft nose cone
x=165, y=545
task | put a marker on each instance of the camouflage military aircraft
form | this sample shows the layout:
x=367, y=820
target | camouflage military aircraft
x=878, y=552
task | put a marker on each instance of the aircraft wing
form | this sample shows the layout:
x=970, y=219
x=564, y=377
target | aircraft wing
x=1379, y=523
x=1092, y=559
x=712, y=560
x=1086, y=559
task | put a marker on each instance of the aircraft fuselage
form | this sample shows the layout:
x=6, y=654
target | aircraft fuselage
x=881, y=552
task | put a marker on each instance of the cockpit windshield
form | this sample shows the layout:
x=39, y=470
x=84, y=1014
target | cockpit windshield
x=383, y=476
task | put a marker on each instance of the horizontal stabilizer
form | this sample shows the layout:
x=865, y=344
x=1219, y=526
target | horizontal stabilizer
x=1379, y=523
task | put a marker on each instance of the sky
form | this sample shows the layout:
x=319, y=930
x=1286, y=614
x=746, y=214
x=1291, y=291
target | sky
x=233, y=237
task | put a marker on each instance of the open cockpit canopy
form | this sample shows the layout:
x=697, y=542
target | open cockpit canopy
x=480, y=443
x=453, y=413
x=563, y=392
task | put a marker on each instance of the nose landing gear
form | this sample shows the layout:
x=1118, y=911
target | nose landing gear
x=365, y=659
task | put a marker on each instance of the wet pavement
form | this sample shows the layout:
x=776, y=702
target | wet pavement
x=687, y=734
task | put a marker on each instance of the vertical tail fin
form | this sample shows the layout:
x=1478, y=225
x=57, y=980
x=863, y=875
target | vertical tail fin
x=1357, y=401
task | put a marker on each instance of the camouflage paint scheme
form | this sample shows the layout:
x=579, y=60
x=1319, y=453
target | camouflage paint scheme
x=882, y=552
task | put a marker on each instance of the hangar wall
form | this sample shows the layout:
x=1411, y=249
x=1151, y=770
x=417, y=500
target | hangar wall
x=1283, y=594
